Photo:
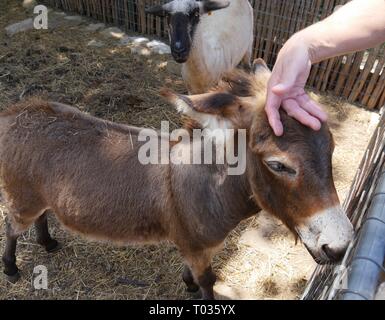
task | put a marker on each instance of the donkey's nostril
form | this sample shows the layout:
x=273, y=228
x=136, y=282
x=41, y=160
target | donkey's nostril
x=333, y=255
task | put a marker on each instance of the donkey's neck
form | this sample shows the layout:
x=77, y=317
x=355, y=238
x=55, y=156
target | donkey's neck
x=210, y=199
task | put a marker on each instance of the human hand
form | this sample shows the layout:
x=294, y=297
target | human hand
x=286, y=88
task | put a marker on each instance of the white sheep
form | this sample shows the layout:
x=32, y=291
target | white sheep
x=207, y=41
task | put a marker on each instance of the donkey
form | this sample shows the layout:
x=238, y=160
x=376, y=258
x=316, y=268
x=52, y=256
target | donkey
x=209, y=38
x=54, y=158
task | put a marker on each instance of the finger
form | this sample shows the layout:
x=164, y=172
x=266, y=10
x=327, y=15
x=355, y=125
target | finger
x=311, y=107
x=272, y=106
x=285, y=82
x=274, y=121
x=294, y=110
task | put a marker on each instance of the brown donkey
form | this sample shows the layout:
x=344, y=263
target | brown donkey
x=87, y=172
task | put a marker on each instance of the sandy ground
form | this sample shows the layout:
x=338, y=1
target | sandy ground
x=260, y=259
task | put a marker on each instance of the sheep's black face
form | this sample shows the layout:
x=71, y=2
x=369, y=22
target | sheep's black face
x=183, y=17
x=181, y=31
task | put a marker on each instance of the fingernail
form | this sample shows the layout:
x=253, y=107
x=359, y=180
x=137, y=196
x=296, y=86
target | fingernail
x=325, y=117
x=278, y=132
x=317, y=126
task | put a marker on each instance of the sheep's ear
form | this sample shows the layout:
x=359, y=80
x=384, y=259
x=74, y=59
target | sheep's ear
x=158, y=10
x=212, y=5
x=259, y=65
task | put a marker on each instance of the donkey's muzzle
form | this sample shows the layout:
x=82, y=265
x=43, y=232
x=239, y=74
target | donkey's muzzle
x=327, y=234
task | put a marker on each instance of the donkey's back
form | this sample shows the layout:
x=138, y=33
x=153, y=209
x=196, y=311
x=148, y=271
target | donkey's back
x=85, y=169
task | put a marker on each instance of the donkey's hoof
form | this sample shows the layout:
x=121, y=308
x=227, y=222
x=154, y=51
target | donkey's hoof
x=192, y=288
x=53, y=246
x=13, y=278
x=197, y=295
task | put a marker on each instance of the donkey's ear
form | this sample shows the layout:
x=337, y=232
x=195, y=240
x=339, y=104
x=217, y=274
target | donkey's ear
x=212, y=5
x=210, y=110
x=216, y=110
x=216, y=103
x=259, y=65
x=157, y=10
x=181, y=102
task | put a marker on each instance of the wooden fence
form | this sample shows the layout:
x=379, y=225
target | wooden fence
x=358, y=77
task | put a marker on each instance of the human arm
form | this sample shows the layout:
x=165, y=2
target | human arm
x=358, y=25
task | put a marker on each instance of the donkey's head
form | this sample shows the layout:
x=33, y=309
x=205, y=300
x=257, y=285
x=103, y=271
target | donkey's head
x=183, y=17
x=290, y=176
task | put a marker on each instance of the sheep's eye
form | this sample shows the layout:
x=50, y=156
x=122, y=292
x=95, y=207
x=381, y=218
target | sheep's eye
x=195, y=13
x=280, y=167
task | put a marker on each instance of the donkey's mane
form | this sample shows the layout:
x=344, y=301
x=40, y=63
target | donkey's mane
x=239, y=83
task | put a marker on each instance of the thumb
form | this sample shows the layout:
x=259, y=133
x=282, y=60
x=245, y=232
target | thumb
x=286, y=83
x=282, y=88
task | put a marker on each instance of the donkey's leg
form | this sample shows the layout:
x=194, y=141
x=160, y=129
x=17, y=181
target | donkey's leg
x=9, y=256
x=42, y=234
x=200, y=263
x=206, y=280
x=24, y=207
x=188, y=279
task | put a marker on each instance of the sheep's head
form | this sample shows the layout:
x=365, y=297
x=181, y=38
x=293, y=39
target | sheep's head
x=183, y=17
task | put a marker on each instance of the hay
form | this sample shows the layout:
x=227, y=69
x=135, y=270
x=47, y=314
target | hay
x=107, y=82
x=112, y=83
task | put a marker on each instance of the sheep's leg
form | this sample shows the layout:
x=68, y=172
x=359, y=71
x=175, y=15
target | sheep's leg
x=9, y=257
x=188, y=279
x=200, y=264
x=246, y=60
x=42, y=234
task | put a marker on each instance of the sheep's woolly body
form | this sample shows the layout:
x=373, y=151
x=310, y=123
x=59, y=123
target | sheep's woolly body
x=221, y=41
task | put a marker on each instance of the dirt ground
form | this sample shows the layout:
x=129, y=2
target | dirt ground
x=260, y=259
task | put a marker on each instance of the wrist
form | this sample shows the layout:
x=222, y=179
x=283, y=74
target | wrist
x=313, y=39
x=306, y=40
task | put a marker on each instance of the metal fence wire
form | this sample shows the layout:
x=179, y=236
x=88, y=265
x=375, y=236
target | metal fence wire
x=359, y=77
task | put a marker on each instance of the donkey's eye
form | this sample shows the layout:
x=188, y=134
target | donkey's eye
x=280, y=167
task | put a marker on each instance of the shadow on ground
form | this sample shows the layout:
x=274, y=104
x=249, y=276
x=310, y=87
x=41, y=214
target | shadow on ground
x=117, y=83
